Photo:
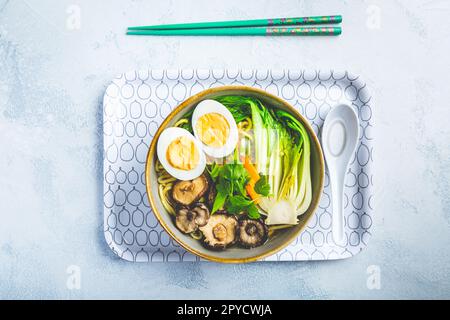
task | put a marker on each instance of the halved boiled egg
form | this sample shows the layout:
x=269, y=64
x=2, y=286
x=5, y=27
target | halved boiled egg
x=214, y=125
x=180, y=153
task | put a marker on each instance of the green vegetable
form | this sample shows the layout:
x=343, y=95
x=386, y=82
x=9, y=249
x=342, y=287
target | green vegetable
x=214, y=171
x=282, y=151
x=238, y=106
x=253, y=212
x=230, y=181
x=262, y=187
x=220, y=200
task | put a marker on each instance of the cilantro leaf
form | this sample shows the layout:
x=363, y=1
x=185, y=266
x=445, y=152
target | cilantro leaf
x=226, y=172
x=253, y=212
x=219, y=202
x=230, y=181
x=262, y=187
x=237, y=204
x=224, y=186
x=240, y=201
x=214, y=171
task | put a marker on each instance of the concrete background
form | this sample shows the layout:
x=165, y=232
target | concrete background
x=56, y=58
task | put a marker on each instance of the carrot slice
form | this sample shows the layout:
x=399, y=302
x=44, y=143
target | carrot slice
x=250, y=188
x=251, y=169
x=254, y=178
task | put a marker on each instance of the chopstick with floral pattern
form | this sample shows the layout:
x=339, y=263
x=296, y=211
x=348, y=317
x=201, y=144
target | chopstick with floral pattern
x=284, y=31
x=336, y=19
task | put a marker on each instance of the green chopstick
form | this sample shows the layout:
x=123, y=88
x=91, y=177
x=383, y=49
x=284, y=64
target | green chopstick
x=248, y=23
x=285, y=31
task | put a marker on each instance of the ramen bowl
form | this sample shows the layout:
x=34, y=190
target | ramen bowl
x=280, y=239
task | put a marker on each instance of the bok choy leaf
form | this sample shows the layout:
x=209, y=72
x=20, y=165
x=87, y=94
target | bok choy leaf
x=282, y=154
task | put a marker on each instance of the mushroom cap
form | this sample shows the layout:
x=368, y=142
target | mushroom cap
x=185, y=221
x=252, y=233
x=220, y=231
x=189, y=220
x=202, y=214
x=187, y=192
x=212, y=194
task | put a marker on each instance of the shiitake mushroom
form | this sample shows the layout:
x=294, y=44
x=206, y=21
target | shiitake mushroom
x=220, y=231
x=252, y=233
x=188, y=220
x=186, y=193
x=211, y=197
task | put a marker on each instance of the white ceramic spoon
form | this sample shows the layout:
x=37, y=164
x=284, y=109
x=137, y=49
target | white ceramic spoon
x=340, y=136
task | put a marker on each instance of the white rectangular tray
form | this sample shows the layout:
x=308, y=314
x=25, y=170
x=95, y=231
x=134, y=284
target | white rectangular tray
x=136, y=103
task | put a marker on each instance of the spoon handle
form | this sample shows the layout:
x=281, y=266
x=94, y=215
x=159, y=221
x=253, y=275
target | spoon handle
x=337, y=188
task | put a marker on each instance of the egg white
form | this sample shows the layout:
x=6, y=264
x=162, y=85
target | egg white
x=211, y=106
x=166, y=138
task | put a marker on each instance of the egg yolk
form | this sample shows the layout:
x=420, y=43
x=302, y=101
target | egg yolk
x=213, y=130
x=182, y=154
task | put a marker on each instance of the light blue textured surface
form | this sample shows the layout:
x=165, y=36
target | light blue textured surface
x=52, y=80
